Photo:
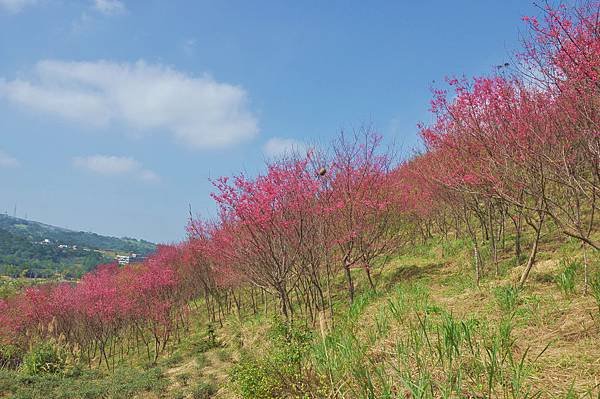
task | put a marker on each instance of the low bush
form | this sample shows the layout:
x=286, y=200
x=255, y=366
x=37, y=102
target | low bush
x=280, y=371
x=255, y=379
x=44, y=358
x=10, y=356
x=203, y=390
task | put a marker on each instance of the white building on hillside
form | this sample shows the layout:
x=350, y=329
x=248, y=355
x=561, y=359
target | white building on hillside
x=122, y=259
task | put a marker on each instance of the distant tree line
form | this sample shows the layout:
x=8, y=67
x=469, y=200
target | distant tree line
x=20, y=257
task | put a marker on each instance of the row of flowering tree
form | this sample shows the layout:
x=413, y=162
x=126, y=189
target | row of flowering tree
x=516, y=153
x=521, y=147
x=107, y=314
x=287, y=232
x=284, y=234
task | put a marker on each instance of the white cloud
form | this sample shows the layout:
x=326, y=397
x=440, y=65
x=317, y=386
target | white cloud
x=198, y=111
x=111, y=165
x=277, y=146
x=109, y=7
x=7, y=161
x=14, y=6
x=70, y=103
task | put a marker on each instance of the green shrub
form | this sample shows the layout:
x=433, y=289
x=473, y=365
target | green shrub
x=203, y=390
x=206, y=345
x=290, y=345
x=255, y=379
x=566, y=279
x=211, y=336
x=44, y=358
x=174, y=359
x=183, y=379
x=123, y=383
x=178, y=394
x=280, y=370
x=10, y=356
x=223, y=355
x=127, y=382
x=201, y=360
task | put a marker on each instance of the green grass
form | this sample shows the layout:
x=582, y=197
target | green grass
x=434, y=354
x=507, y=297
x=595, y=289
x=123, y=383
x=566, y=278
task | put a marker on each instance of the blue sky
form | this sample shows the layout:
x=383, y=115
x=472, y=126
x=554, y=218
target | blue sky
x=114, y=114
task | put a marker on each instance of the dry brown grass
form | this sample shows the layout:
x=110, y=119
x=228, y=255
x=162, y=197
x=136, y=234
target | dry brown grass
x=568, y=327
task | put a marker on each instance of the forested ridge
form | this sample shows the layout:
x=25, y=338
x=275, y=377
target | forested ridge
x=35, y=231
x=66, y=253
x=22, y=257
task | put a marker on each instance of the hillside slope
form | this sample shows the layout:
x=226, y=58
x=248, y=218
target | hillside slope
x=22, y=257
x=36, y=231
x=427, y=332
x=33, y=249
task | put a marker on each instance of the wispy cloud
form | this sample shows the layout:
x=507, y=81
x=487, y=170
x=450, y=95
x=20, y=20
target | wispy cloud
x=277, y=146
x=14, y=6
x=110, y=7
x=198, y=111
x=7, y=161
x=188, y=46
x=110, y=165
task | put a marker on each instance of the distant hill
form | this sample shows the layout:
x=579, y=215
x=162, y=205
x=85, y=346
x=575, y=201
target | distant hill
x=22, y=257
x=36, y=232
x=34, y=249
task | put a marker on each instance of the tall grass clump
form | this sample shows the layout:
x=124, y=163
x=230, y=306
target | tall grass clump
x=507, y=297
x=566, y=278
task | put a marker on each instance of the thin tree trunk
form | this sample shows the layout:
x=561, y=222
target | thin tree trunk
x=349, y=280
x=368, y=270
x=534, y=250
x=585, y=271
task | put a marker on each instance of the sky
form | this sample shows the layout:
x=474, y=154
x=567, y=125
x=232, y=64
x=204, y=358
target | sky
x=115, y=114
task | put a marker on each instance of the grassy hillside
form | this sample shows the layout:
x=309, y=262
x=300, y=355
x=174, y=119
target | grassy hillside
x=427, y=332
